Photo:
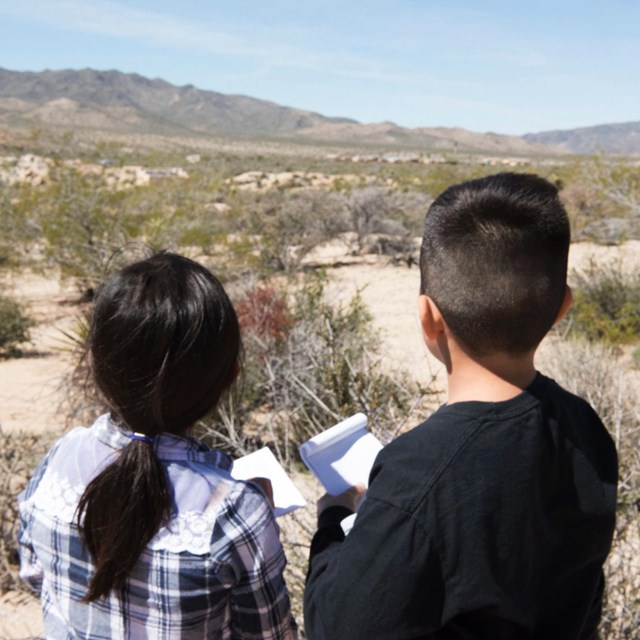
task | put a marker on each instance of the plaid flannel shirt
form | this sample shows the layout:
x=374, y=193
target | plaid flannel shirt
x=214, y=571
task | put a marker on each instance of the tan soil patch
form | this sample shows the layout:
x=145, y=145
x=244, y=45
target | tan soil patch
x=20, y=617
x=30, y=392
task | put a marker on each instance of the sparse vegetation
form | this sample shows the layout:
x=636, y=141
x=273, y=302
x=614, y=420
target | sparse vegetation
x=309, y=362
x=14, y=327
x=602, y=196
x=594, y=372
x=606, y=304
x=19, y=455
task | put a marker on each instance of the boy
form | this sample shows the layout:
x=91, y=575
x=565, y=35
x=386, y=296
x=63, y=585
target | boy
x=492, y=519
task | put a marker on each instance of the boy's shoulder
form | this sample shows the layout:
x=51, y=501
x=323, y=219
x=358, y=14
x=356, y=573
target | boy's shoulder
x=407, y=468
x=576, y=421
x=469, y=439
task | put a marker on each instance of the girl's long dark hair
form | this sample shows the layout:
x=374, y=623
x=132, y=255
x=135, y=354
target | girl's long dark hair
x=164, y=346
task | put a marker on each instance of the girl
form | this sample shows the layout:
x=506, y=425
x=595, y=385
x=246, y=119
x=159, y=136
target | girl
x=131, y=528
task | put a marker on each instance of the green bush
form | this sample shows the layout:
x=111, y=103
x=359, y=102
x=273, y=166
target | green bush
x=606, y=304
x=14, y=326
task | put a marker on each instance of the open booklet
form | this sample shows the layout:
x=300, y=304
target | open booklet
x=263, y=464
x=343, y=455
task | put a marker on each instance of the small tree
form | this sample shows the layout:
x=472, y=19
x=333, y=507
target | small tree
x=367, y=206
x=284, y=226
x=82, y=225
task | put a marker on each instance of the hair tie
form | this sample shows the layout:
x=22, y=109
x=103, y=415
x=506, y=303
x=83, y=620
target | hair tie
x=140, y=436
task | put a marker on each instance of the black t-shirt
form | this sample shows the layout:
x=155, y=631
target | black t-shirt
x=488, y=521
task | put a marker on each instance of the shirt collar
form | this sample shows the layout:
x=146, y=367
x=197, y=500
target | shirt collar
x=166, y=446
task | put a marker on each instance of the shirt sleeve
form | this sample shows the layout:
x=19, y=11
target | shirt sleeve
x=30, y=568
x=260, y=606
x=372, y=585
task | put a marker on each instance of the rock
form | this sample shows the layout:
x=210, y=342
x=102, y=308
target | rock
x=28, y=169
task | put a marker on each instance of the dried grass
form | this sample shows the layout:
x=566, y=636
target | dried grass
x=597, y=373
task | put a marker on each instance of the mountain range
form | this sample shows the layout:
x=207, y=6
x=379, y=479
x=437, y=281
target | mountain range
x=119, y=104
x=612, y=138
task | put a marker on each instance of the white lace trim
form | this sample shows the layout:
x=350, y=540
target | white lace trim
x=189, y=531
x=57, y=497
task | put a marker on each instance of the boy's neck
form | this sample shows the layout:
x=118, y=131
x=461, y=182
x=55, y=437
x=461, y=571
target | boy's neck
x=492, y=378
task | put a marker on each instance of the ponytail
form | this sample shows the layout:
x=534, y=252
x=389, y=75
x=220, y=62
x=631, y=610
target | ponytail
x=165, y=344
x=120, y=511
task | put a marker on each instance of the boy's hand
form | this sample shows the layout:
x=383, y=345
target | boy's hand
x=267, y=489
x=350, y=499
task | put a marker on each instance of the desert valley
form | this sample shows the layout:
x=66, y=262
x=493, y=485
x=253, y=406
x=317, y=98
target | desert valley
x=314, y=225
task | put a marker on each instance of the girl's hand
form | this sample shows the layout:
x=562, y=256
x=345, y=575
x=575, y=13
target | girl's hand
x=267, y=489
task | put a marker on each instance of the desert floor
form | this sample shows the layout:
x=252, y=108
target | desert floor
x=31, y=394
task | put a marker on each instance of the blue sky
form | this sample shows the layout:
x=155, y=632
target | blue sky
x=495, y=65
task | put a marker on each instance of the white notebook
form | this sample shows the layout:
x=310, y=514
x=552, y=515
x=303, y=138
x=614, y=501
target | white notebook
x=343, y=455
x=263, y=464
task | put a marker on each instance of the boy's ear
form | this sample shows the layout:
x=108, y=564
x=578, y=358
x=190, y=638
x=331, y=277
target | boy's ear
x=430, y=317
x=566, y=304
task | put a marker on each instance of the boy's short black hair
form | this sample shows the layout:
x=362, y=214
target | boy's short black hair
x=494, y=260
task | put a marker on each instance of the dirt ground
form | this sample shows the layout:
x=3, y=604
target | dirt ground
x=30, y=392
x=30, y=387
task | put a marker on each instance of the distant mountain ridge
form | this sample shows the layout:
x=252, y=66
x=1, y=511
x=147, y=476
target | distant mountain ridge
x=622, y=137
x=113, y=103
x=121, y=100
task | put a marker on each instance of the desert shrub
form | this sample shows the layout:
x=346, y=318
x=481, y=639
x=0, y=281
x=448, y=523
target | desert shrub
x=367, y=207
x=617, y=180
x=275, y=230
x=19, y=230
x=174, y=214
x=399, y=214
x=19, y=454
x=439, y=177
x=602, y=197
x=264, y=314
x=585, y=207
x=82, y=225
x=606, y=304
x=308, y=364
x=594, y=371
x=282, y=227
x=14, y=326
